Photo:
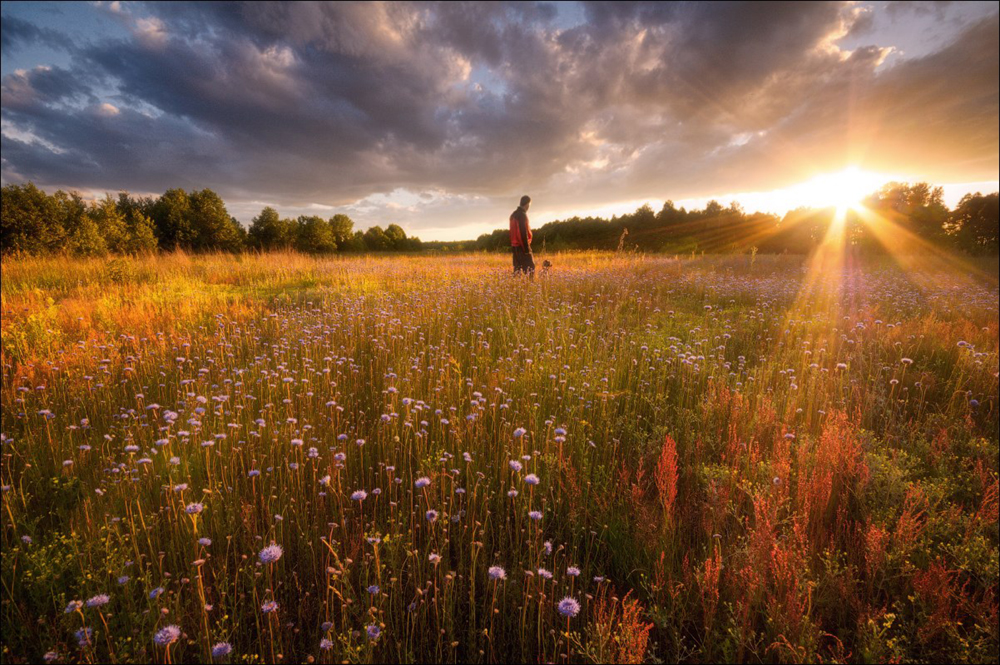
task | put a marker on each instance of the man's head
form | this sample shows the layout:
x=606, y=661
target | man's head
x=525, y=201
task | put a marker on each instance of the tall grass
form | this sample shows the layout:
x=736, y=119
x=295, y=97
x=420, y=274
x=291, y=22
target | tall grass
x=627, y=459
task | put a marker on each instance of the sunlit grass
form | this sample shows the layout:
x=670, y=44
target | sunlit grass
x=738, y=458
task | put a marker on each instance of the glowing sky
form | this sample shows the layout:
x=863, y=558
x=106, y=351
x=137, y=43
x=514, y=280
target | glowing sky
x=439, y=116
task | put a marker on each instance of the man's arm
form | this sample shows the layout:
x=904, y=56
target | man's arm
x=522, y=228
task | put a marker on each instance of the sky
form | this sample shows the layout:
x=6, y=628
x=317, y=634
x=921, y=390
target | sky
x=439, y=116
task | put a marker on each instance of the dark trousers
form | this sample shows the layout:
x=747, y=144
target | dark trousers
x=523, y=261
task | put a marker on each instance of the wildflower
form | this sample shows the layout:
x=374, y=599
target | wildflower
x=519, y=432
x=51, y=656
x=253, y=473
x=535, y=515
x=569, y=607
x=325, y=481
x=431, y=515
x=123, y=579
x=83, y=636
x=325, y=644
x=221, y=649
x=194, y=508
x=373, y=632
x=434, y=558
x=573, y=571
x=204, y=542
x=512, y=493
x=515, y=466
x=548, y=546
x=268, y=607
x=155, y=593
x=422, y=482
x=531, y=479
x=544, y=574
x=497, y=573
x=360, y=495
x=167, y=635
x=98, y=600
x=27, y=539
x=74, y=605
x=271, y=553
x=373, y=589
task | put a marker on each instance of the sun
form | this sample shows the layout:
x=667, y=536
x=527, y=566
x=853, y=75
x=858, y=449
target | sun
x=843, y=190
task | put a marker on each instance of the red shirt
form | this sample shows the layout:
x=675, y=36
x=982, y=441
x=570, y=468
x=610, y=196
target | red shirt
x=519, y=229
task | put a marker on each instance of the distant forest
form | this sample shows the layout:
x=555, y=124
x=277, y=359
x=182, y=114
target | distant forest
x=908, y=216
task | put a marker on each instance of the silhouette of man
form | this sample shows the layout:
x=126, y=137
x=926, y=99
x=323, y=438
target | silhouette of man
x=520, y=239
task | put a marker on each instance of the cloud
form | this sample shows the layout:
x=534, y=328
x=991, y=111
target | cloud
x=337, y=104
x=16, y=33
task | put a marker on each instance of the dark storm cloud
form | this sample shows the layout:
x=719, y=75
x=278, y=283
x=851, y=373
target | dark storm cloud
x=330, y=103
x=16, y=33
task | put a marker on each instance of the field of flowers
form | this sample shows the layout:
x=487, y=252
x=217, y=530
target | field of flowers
x=285, y=459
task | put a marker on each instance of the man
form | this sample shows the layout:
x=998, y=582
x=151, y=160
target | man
x=520, y=238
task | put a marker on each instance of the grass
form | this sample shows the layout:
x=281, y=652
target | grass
x=741, y=460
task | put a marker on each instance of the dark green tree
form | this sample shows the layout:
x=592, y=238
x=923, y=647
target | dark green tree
x=396, y=236
x=314, y=235
x=28, y=221
x=342, y=228
x=214, y=227
x=376, y=240
x=268, y=231
x=172, y=220
x=975, y=223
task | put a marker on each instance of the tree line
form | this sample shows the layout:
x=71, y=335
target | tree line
x=34, y=222
x=911, y=216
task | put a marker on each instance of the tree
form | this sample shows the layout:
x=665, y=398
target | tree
x=82, y=235
x=376, y=240
x=141, y=232
x=396, y=236
x=28, y=221
x=355, y=243
x=919, y=208
x=712, y=209
x=314, y=235
x=107, y=216
x=172, y=220
x=975, y=223
x=215, y=229
x=643, y=218
x=342, y=228
x=268, y=231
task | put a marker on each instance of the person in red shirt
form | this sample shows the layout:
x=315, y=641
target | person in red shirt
x=520, y=238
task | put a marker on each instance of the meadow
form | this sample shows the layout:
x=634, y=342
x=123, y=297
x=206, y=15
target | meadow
x=278, y=458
